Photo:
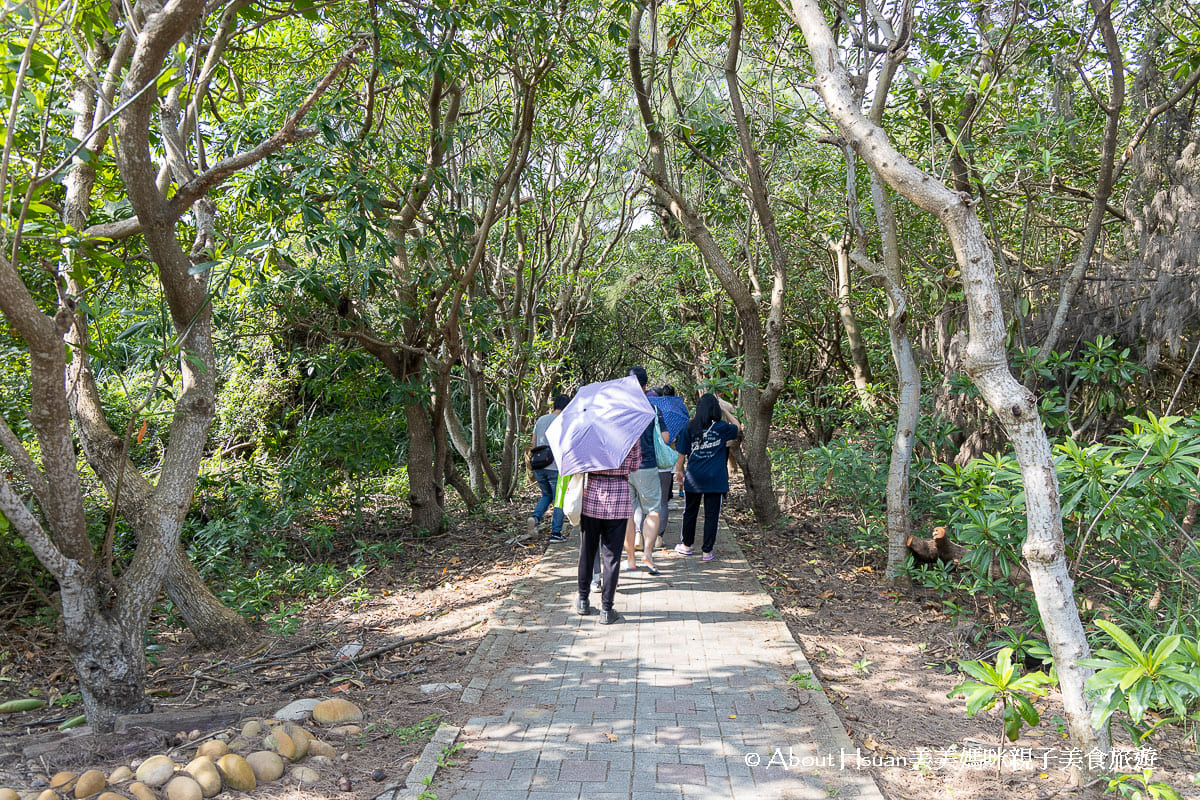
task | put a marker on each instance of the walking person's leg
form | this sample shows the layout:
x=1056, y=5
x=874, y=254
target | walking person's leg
x=691, y=510
x=713, y=502
x=630, y=536
x=612, y=538
x=589, y=546
x=546, y=486
x=666, y=482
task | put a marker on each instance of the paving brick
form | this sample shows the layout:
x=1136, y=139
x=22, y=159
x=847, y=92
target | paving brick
x=692, y=654
x=676, y=735
x=589, y=734
x=595, y=704
x=681, y=773
x=584, y=771
x=489, y=770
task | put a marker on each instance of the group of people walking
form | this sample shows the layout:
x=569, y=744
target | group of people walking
x=630, y=501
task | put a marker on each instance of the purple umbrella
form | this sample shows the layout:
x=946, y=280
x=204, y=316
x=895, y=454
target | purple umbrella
x=599, y=426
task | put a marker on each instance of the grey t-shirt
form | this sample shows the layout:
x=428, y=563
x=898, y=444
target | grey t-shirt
x=539, y=428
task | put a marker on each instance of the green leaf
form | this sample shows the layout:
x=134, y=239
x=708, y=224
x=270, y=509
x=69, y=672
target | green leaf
x=1026, y=709
x=1012, y=723
x=1123, y=640
x=1165, y=648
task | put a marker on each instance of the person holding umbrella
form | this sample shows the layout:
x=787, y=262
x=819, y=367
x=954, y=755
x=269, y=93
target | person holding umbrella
x=597, y=434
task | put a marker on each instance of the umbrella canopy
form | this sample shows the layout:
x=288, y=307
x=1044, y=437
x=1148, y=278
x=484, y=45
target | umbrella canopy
x=674, y=413
x=599, y=426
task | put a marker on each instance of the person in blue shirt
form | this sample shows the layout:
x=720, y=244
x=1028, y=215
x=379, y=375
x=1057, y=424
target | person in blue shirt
x=702, y=471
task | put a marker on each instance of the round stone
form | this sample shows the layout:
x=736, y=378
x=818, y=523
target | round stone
x=237, y=772
x=238, y=744
x=183, y=787
x=251, y=729
x=205, y=773
x=346, y=730
x=63, y=781
x=212, y=749
x=48, y=794
x=318, y=748
x=281, y=743
x=297, y=709
x=267, y=766
x=111, y=796
x=120, y=774
x=336, y=711
x=89, y=783
x=319, y=761
x=304, y=775
x=141, y=791
x=300, y=738
x=9, y=794
x=155, y=771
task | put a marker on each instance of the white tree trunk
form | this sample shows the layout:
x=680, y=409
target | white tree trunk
x=986, y=363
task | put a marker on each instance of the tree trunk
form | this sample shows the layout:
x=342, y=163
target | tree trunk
x=481, y=465
x=986, y=363
x=860, y=366
x=510, y=455
x=761, y=349
x=908, y=379
x=425, y=492
x=214, y=624
x=106, y=645
x=756, y=469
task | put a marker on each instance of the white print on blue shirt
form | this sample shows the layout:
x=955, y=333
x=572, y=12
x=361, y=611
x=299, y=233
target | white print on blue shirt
x=708, y=445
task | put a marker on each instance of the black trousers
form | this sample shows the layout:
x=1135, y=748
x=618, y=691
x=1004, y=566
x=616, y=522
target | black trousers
x=712, y=515
x=607, y=536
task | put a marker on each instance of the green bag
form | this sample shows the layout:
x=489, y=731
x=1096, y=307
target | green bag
x=560, y=490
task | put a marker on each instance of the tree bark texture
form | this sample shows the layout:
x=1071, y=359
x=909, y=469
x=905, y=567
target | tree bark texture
x=908, y=379
x=860, y=365
x=1013, y=404
x=426, y=493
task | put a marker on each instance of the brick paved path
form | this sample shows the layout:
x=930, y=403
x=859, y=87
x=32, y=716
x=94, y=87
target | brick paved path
x=668, y=704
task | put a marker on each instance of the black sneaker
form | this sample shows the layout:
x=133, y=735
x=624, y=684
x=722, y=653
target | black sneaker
x=557, y=537
x=583, y=606
x=608, y=617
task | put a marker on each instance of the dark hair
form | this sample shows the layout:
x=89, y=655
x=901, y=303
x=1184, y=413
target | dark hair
x=708, y=411
x=667, y=390
x=560, y=401
x=640, y=374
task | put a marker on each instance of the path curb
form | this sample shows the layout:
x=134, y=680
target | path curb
x=421, y=775
x=835, y=730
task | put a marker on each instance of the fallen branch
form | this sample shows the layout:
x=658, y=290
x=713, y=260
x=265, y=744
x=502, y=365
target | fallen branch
x=258, y=661
x=387, y=648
